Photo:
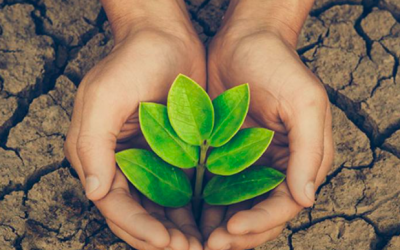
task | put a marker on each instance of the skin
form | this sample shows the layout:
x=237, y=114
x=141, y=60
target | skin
x=154, y=42
x=285, y=97
x=146, y=59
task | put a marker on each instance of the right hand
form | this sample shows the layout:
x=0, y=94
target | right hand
x=141, y=67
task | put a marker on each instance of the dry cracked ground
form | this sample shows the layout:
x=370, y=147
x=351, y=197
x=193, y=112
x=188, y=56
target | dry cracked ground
x=46, y=46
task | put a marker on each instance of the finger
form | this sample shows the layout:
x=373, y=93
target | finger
x=103, y=117
x=276, y=210
x=251, y=241
x=328, y=149
x=153, y=209
x=119, y=207
x=221, y=239
x=130, y=130
x=137, y=141
x=133, y=192
x=72, y=136
x=195, y=244
x=306, y=145
x=183, y=218
x=132, y=241
x=233, y=209
x=178, y=240
x=211, y=218
x=215, y=216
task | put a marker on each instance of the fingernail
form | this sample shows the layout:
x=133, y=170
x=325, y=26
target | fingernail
x=92, y=183
x=310, y=191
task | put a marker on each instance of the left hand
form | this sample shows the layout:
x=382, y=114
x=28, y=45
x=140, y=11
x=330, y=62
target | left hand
x=287, y=98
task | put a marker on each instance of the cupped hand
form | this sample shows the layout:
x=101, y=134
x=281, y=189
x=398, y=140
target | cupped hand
x=141, y=67
x=287, y=98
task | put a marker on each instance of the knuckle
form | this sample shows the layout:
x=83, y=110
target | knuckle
x=85, y=145
x=135, y=216
x=280, y=194
x=315, y=96
x=98, y=90
x=89, y=143
x=316, y=155
x=315, y=99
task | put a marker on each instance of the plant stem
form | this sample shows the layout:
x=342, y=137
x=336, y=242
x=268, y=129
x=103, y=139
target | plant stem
x=198, y=188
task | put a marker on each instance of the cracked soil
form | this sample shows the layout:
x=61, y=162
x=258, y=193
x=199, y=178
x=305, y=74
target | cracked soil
x=47, y=46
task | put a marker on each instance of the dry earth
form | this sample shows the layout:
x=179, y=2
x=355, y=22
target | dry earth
x=46, y=46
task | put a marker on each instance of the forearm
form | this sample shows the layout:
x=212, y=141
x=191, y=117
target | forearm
x=283, y=17
x=126, y=16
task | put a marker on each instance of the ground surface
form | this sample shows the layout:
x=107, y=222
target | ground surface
x=46, y=46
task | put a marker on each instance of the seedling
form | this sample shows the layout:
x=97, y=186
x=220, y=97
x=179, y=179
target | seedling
x=193, y=131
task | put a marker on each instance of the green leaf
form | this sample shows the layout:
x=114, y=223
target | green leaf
x=226, y=190
x=190, y=111
x=162, y=138
x=230, y=111
x=157, y=180
x=239, y=153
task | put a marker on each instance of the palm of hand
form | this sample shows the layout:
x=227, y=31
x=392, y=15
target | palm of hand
x=279, y=82
x=280, y=87
x=141, y=68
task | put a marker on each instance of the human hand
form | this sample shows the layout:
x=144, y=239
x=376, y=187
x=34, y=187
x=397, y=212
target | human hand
x=150, y=51
x=285, y=97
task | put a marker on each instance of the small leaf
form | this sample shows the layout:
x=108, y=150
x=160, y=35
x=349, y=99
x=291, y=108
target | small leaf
x=157, y=180
x=230, y=111
x=239, y=153
x=162, y=138
x=255, y=181
x=190, y=111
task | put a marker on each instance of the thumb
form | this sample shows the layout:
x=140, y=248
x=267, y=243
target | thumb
x=103, y=116
x=306, y=146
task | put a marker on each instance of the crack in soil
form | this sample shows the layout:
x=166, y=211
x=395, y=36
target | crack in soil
x=50, y=77
x=32, y=179
x=351, y=109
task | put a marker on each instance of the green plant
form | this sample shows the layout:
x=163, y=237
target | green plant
x=181, y=135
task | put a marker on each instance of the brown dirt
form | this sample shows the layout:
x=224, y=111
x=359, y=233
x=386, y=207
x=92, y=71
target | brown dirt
x=47, y=46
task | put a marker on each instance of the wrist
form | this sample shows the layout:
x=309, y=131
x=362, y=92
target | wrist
x=282, y=18
x=131, y=16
